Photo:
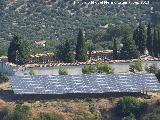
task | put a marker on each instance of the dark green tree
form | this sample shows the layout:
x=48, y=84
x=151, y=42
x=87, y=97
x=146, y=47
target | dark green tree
x=18, y=51
x=68, y=52
x=12, y=50
x=149, y=42
x=159, y=42
x=135, y=37
x=155, y=43
x=90, y=47
x=115, y=55
x=141, y=38
x=81, y=52
x=24, y=52
x=129, y=49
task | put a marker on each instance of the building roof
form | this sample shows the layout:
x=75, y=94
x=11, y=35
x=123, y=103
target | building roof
x=94, y=83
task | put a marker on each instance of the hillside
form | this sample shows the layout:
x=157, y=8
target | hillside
x=61, y=19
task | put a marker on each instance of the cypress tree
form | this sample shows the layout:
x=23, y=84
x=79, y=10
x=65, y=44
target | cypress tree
x=149, y=42
x=12, y=50
x=155, y=43
x=159, y=42
x=135, y=37
x=68, y=52
x=141, y=39
x=129, y=49
x=81, y=52
x=115, y=49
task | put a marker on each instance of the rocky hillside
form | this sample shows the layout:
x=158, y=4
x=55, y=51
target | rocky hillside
x=61, y=19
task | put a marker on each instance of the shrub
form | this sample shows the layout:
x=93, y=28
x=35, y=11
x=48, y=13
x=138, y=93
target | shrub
x=21, y=112
x=88, y=69
x=130, y=105
x=137, y=66
x=32, y=72
x=158, y=75
x=63, y=72
x=3, y=77
x=130, y=117
x=105, y=68
x=151, y=69
x=151, y=116
x=49, y=116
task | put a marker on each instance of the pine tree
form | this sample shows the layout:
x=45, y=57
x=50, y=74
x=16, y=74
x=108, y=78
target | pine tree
x=115, y=55
x=68, y=52
x=155, y=43
x=149, y=42
x=81, y=52
x=129, y=49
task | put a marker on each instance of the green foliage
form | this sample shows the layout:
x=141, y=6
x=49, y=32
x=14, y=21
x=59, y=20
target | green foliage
x=68, y=55
x=63, y=72
x=48, y=116
x=18, y=51
x=3, y=77
x=65, y=52
x=130, y=117
x=155, y=43
x=32, y=72
x=139, y=37
x=158, y=75
x=130, y=105
x=90, y=47
x=149, y=42
x=88, y=69
x=21, y=112
x=81, y=50
x=129, y=49
x=115, y=54
x=3, y=52
x=151, y=69
x=151, y=116
x=136, y=66
x=105, y=68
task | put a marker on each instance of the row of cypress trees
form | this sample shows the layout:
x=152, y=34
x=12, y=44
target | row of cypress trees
x=143, y=39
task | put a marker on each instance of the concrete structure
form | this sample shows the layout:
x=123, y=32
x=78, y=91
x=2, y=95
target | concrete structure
x=102, y=55
x=7, y=68
x=52, y=57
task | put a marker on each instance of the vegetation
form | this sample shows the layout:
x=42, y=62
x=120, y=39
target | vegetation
x=129, y=49
x=81, y=50
x=18, y=51
x=151, y=69
x=130, y=117
x=63, y=71
x=130, y=105
x=105, y=68
x=21, y=112
x=136, y=67
x=149, y=42
x=158, y=75
x=3, y=77
x=88, y=69
x=32, y=72
x=49, y=116
x=151, y=116
x=65, y=52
